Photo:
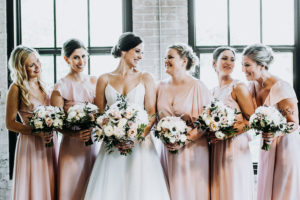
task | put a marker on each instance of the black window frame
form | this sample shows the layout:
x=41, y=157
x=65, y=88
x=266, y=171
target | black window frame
x=295, y=49
x=14, y=38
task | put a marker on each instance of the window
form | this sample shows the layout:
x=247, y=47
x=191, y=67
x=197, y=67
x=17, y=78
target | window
x=46, y=25
x=238, y=23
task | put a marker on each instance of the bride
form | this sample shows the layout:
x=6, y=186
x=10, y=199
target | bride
x=138, y=176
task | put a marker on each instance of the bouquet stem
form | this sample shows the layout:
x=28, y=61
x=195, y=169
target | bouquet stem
x=266, y=146
x=90, y=142
x=50, y=144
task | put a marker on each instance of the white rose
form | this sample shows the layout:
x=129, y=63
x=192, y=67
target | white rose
x=57, y=123
x=71, y=115
x=119, y=132
x=109, y=131
x=183, y=138
x=122, y=123
x=220, y=135
x=41, y=113
x=38, y=124
x=172, y=140
x=81, y=114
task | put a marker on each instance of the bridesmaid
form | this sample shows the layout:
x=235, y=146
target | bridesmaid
x=279, y=168
x=35, y=164
x=75, y=158
x=231, y=165
x=188, y=170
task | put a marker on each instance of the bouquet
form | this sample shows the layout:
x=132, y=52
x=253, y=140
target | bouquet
x=45, y=119
x=82, y=116
x=172, y=130
x=268, y=119
x=219, y=119
x=121, y=123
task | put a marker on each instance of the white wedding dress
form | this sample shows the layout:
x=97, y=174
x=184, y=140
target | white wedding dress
x=138, y=176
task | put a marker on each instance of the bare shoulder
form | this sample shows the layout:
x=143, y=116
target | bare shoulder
x=241, y=88
x=93, y=79
x=103, y=79
x=14, y=89
x=147, y=77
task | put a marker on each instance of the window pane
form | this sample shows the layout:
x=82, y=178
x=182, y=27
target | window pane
x=62, y=68
x=105, y=22
x=47, y=62
x=207, y=72
x=283, y=66
x=37, y=23
x=278, y=22
x=71, y=20
x=101, y=64
x=244, y=28
x=211, y=22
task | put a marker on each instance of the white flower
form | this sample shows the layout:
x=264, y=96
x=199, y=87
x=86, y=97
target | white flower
x=172, y=140
x=57, y=123
x=81, y=115
x=118, y=132
x=132, y=133
x=220, y=135
x=38, y=124
x=108, y=130
x=92, y=107
x=71, y=115
x=48, y=121
x=122, y=123
x=183, y=137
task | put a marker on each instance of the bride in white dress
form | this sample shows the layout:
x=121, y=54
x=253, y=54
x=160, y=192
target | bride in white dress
x=138, y=176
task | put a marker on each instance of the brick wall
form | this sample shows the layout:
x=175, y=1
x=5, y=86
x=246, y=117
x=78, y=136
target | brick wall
x=159, y=22
x=5, y=184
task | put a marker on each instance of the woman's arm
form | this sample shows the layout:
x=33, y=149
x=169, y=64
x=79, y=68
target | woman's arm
x=289, y=109
x=12, y=106
x=150, y=100
x=244, y=99
x=100, y=100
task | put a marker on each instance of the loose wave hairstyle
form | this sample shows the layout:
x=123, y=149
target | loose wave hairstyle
x=18, y=72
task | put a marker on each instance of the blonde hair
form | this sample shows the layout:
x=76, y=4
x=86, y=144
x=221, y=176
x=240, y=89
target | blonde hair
x=18, y=72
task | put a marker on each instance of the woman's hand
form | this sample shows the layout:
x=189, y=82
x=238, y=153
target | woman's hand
x=268, y=138
x=84, y=134
x=46, y=136
x=174, y=147
x=125, y=146
x=212, y=138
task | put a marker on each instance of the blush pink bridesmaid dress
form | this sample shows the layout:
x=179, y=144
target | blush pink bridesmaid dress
x=188, y=170
x=279, y=168
x=232, y=175
x=76, y=160
x=35, y=165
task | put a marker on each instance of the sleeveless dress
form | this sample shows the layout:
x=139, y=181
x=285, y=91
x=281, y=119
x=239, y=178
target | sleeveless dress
x=279, y=168
x=138, y=176
x=231, y=166
x=35, y=165
x=188, y=170
x=76, y=160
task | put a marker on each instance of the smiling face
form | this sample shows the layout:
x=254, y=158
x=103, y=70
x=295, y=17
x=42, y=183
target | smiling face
x=133, y=56
x=225, y=63
x=174, y=63
x=33, y=66
x=252, y=70
x=77, y=60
